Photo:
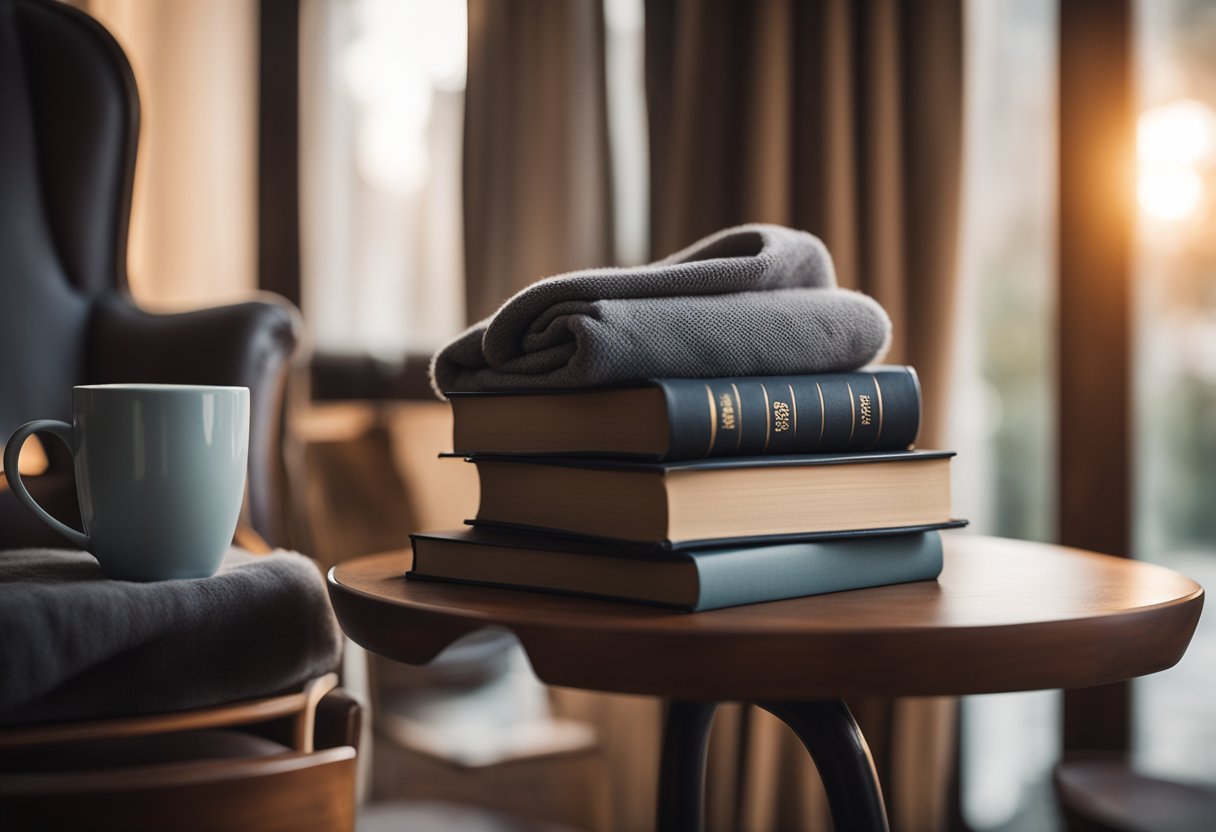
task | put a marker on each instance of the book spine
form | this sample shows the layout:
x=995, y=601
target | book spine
x=876, y=410
x=772, y=573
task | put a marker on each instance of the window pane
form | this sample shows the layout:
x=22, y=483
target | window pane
x=1002, y=419
x=381, y=123
x=1175, y=363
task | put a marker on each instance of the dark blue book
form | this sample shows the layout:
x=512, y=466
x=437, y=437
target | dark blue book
x=693, y=580
x=698, y=418
x=692, y=503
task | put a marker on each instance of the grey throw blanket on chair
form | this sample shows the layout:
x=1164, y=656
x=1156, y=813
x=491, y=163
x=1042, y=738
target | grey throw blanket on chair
x=752, y=300
x=77, y=645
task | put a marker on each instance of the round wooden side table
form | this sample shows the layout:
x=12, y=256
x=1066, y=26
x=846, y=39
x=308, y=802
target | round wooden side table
x=1004, y=616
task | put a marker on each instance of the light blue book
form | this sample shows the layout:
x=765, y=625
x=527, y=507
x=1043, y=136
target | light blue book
x=693, y=580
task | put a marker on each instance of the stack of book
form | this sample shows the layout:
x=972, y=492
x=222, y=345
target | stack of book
x=698, y=494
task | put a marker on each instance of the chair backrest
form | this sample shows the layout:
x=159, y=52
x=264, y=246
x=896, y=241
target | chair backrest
x=69, y=123
x=69, y=116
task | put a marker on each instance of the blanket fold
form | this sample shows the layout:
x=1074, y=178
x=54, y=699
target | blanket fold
x=77, y=645
x=751, y=300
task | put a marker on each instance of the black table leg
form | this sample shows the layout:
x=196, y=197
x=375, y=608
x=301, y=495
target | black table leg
x=826, y=728
x=841, y=755
x=682, y=766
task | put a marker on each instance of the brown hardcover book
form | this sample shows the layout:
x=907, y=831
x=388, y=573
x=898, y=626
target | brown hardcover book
x=678, y=504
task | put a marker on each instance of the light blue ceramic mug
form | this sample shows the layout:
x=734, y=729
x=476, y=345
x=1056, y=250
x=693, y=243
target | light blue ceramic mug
x=160, y=475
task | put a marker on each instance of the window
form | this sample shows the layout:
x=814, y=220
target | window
x=1005, y=388
x=381, y=137
x=1002, y=419
x=1175, y=363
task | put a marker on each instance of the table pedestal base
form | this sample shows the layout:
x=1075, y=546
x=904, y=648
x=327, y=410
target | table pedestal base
x=826, y=728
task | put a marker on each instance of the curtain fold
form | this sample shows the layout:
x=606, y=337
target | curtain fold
x=845, y=119
x=537, y=190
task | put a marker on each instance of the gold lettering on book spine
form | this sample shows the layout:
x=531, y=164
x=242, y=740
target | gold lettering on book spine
x=781, y=416
x=739, y=407
x=794, y=403
x=713, y=421
x=867, y=409
x=767, y=420
x=852, y=414
x=822, y=416
x=878, y=393
x=727, y=406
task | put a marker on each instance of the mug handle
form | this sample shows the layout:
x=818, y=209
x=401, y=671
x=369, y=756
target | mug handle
x=13, y=450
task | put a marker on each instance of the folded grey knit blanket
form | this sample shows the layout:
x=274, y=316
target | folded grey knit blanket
x=77, y=645
x=751, y=300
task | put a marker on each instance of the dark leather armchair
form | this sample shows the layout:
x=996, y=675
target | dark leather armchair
x=69, y=117
x=69, y=124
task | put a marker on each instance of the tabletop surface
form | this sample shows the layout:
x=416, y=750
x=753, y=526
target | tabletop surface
x=1004, y=615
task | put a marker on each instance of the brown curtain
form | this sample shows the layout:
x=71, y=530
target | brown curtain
x=845, y=119
x=537, y=194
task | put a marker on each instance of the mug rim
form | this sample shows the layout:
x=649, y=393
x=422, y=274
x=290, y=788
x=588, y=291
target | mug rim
x=136, y=386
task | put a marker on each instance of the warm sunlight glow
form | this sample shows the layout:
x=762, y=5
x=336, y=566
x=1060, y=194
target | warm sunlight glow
x=1173, y=143
x=1169, y=194
x=1176, y=134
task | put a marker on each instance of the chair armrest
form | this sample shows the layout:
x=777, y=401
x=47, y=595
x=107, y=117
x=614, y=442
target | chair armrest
x=338, y=722
x=246, y=345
